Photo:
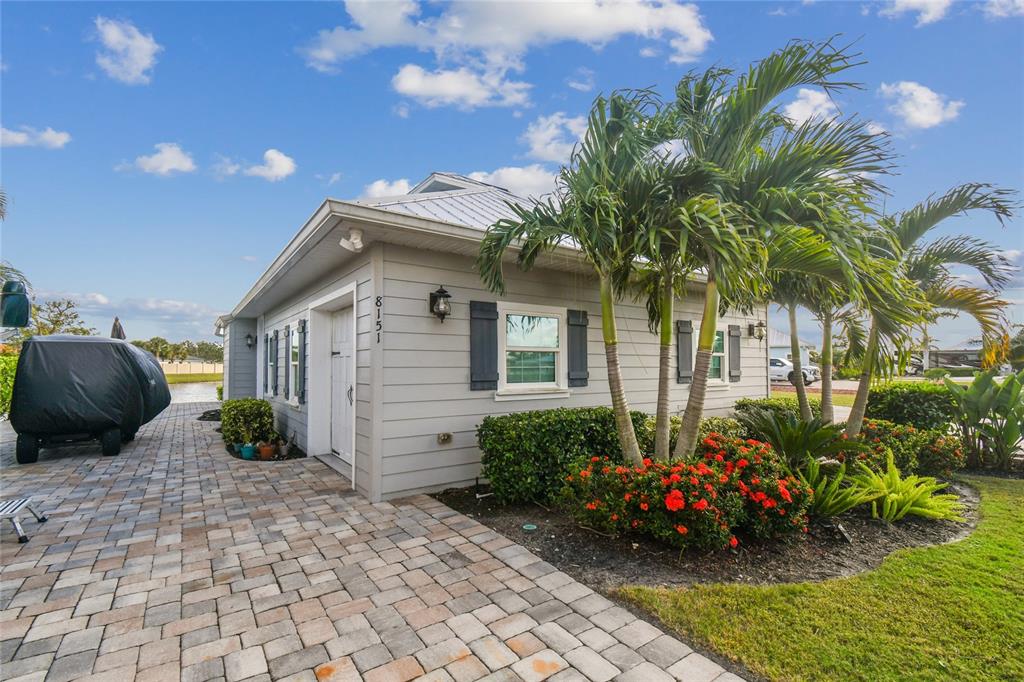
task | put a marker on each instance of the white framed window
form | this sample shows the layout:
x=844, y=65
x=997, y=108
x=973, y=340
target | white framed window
x=531, y=350
x=718, y=370
x=293, y=366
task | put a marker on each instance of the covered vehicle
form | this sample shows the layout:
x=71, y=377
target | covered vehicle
x=70, y=388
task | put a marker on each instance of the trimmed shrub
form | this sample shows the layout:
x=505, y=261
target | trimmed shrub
x=729, y=486
x=8, y=365
x=525, y=455
x=782, y=406
x=727, y=426
x=246, y=420
x=941, y=455
x=920, y=404
x=936, y=373
x=884, y=437
x=220, y=392
x=847, y=373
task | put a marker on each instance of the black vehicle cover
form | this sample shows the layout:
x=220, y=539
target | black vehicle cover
x=85, y=385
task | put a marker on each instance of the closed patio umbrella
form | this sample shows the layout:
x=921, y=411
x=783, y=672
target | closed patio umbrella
x=117, y=331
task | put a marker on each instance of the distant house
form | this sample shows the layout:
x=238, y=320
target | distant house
x=780, y=346
x=339, y=335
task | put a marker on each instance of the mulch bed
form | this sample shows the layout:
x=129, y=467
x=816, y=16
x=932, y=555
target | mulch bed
x=605, y=563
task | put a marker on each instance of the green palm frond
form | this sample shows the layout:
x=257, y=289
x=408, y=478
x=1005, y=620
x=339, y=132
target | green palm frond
x=928, y=263
x=984, y=306
x=914, y=223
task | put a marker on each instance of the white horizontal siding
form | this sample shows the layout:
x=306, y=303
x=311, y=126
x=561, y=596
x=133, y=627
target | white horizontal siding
x=292, y=418
x=425, y=369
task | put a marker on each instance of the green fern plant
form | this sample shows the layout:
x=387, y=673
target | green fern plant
x=893, y=497
x=831, y=497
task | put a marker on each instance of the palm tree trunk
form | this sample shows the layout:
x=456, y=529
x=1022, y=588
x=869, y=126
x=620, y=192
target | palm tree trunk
x=623, y=423
x=687, y=440
x=798, y=371
x=860, y=403
x=827, y=412
x=662, y=421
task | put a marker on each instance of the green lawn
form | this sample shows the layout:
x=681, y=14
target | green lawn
x=192, y=378
x=951, y=612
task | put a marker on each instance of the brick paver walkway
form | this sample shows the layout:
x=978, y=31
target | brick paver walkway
x=176, y=561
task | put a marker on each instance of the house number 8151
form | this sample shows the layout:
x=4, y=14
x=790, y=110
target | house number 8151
x=379, y=325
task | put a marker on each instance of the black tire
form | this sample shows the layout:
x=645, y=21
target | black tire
x=110, y=440
x=792, y=378
x=807, y=380
x=128, y=438
x=27, y=449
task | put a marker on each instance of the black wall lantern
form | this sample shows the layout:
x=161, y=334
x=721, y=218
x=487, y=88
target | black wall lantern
x=439, y=304
x=249, y=341
x=757, y=331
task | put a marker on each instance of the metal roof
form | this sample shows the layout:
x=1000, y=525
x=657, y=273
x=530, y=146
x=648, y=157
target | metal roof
x=471, y=204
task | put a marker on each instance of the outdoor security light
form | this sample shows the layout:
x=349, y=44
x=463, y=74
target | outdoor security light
x=439, y=304
x=249, y=341
x=14, y=306
x=757, y=331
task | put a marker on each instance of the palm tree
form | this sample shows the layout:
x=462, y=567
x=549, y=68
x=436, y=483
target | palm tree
x=594, y=211
x=784, y=179
x=927, y=267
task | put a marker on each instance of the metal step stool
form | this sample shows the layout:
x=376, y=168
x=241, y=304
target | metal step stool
x=10, y=509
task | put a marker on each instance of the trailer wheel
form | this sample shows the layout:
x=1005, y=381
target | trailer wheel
x=111, y=442
x=27, y=449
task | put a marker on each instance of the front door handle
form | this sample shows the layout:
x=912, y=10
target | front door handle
x=350, y=395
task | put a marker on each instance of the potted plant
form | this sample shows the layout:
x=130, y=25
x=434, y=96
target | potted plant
x=286, y=446
x=248, y=449
x=267, y=448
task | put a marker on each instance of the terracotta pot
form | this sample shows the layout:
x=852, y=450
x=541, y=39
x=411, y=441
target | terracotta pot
x=267, y=451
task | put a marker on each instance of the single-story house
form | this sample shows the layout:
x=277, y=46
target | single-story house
x=779, y=346
x=342, y=336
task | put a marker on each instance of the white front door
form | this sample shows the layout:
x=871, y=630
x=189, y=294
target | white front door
x=342, y=384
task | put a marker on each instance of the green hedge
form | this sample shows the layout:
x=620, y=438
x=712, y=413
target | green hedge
x=246, y=420
x=525, y=454
x=8, y=364
x=780, y=405
x=920, y=404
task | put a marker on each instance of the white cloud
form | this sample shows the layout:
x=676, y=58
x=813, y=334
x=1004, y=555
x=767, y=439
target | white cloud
x=648, y=52
x=918, y=106
x=276, y=166
x=927, y=11
x=551, y=138
x=128, y=55
x=1011, y=254
x=477, y=44
x=778, y=12
x=1001, y=9
x=329, y=180
x=401, y=110
x=810, y=104
x=249, y=259
x=526, y=181
x=874, y=128
x=384, y=188
x=168, y=159
x=30, y=137
x=582, y=80
x=462, y=87
x=225, y=167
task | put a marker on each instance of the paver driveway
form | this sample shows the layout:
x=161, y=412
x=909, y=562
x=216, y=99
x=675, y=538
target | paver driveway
x=175, y=560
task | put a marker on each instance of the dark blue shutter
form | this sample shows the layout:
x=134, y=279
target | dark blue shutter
x=300, y=390
x=287, y=360
x=277, y=361
x=576, y=344
x=266, y=363
x=483, y=345
x=734, y=352
x=684, y=351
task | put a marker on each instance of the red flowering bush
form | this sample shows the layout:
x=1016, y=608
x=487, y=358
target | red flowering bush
x=730, y=486
x=942, y=454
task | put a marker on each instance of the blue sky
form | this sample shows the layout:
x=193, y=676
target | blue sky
x=157, y=156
